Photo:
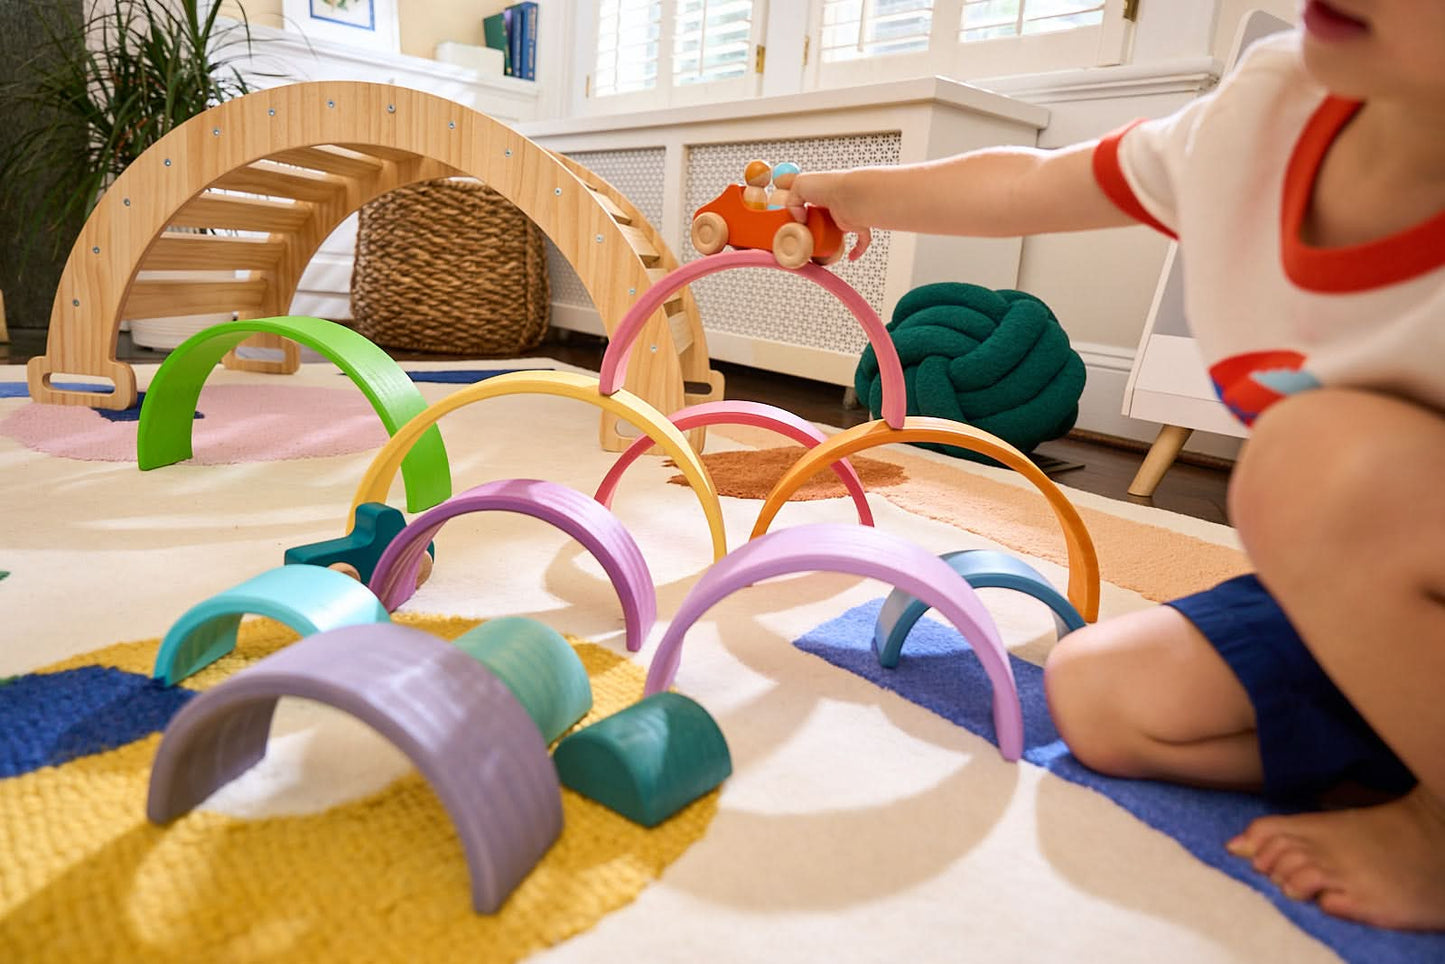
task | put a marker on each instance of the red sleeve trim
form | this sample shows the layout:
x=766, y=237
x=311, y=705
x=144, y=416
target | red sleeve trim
x=1110, y=176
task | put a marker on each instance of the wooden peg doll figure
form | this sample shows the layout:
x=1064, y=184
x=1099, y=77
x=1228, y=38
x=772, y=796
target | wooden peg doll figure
x=757, y=175
x=783, y=176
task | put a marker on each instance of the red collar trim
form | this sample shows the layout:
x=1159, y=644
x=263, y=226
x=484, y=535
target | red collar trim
x=1357, y=267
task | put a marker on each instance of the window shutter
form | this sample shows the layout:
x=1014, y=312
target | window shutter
x=990, y=19
x=711, y=40
x=853, y=29
x=629, y=33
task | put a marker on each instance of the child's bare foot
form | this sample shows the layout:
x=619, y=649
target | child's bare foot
x=1381, y=865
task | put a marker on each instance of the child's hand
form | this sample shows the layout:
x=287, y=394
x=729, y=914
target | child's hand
x=826, y=189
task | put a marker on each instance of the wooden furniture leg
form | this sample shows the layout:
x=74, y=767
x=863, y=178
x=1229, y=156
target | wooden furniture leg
x=1162, y=453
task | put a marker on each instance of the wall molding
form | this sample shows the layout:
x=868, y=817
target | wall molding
x=1183, y=76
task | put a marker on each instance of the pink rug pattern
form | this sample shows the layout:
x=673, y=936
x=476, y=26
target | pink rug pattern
x=242, y=423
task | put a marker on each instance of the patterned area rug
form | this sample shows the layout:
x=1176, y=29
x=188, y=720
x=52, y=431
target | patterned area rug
x=858, y=825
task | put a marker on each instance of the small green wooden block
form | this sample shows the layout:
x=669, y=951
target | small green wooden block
x=538, y=665
x=648, y=761
x=376, y=525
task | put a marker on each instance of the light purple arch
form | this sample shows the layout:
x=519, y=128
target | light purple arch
x=581, y=517
x=457, y=722
x=860, y=551
x=890, y=369
x=756, y=414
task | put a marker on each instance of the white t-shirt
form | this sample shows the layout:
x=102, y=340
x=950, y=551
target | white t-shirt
x=1231, y=176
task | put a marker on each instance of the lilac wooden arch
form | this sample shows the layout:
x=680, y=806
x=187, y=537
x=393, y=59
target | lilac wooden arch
x=861, y=551
x=457, y=722
x=890, y=369
x=757, y=415
x=582, y=518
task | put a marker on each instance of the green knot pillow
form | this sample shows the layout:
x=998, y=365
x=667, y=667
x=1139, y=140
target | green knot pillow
x=997, y=360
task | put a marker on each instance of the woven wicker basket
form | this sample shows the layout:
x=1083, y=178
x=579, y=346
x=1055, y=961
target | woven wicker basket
x=450, y=266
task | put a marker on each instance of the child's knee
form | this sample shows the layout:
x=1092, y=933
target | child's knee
x=1081, y=687
x=1333, y=464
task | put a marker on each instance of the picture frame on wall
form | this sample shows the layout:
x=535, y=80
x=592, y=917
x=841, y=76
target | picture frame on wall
x=369, y=24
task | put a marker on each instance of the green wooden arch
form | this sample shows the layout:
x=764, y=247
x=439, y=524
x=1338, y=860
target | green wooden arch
x=166, y=414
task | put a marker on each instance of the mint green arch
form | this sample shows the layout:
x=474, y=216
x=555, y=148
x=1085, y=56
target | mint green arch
x=166, y=414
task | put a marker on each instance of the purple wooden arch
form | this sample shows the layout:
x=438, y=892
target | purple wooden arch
x=459, y=724
x=890, y=369
x=756, y=414
x=861, y=551
x=582, y=518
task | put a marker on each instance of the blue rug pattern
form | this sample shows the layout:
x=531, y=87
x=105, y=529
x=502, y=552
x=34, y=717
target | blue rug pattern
x=939, y=672
x=466, y=376
x=47, y=719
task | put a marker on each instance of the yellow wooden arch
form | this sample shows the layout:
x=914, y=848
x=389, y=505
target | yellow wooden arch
x=285, y=166
x=623, y=404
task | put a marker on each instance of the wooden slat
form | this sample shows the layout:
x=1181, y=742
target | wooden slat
x=672, y=305
x=385, y=153
x=165, y=299
x=638, y=241
x=618, y=215
x=332, y=160
x=174, y=251
x=278, y=180
x=212, y=210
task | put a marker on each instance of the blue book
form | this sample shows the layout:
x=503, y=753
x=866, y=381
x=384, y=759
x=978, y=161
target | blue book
x=514, y=37
x=529, y=40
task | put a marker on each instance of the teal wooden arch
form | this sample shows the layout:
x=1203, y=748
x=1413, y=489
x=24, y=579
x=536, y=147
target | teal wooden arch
x=308, y=599
x=166, y=414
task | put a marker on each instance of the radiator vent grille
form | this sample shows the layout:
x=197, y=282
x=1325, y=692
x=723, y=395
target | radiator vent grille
x=760, y=303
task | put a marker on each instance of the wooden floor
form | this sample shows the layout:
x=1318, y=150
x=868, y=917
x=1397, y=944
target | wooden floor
x=1106, y=466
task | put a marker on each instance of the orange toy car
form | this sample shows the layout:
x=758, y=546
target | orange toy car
x=727, y=221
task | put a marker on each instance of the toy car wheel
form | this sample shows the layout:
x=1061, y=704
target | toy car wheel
x=709, y=233
x=792, y=246
x=833, y=258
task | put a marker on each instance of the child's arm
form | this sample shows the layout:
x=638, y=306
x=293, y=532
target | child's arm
x=997, y=192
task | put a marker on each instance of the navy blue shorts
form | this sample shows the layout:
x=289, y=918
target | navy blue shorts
x=1310, y=737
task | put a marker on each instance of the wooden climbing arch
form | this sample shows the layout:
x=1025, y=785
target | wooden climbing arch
x=283, y=167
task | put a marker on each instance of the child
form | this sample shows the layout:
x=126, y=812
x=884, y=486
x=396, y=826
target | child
x=1308, y=193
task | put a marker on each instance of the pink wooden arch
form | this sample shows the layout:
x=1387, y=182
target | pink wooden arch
x=614, y=362
x=757, y=415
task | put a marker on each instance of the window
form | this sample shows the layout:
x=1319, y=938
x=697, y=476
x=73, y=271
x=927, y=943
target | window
x=651, y=53
x=991, y=19
x=870, y=40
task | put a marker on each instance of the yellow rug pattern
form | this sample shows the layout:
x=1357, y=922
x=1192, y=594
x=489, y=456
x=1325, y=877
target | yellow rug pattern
x=380, y=878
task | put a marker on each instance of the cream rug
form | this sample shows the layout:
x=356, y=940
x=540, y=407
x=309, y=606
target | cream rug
x=857, y=826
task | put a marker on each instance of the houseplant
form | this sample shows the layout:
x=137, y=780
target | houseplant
x=114, y=81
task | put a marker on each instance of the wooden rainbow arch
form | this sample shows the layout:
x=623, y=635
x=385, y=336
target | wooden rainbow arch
x=284, y=167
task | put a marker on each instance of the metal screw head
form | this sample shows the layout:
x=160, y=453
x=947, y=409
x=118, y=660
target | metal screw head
x=215, y=132
x=599, y=239
x=452, y=125
x=75, y=302
x=126, y=202
x=95, y=250
x=653, y=349
x=557, y=191
x=632, y=291
x=391, y=108
x=168, y=162
x=507, y=152
x=271, y=112
x=331, y=103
